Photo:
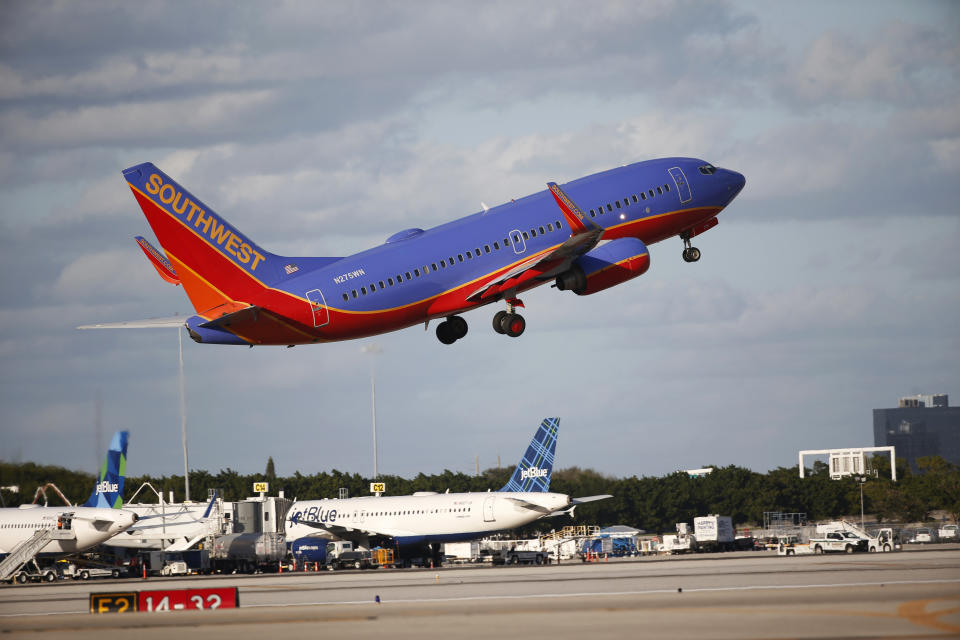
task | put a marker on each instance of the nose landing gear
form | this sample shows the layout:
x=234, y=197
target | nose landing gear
x=509, y=322
x=690, y=254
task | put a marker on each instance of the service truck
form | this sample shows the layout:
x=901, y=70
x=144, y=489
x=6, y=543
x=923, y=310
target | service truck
x=838, y=542
x=948, y=533
x=714, y=533
x=342, y=554
x=681, y=542
x=880, y=540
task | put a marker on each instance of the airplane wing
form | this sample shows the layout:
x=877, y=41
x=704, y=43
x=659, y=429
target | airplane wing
x=150, y=323
x=584, y=236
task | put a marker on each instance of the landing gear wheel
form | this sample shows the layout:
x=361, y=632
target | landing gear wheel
x=451, y=329
x=459, y=326
x=498, y=321
x=514, y=324
x=691, y=254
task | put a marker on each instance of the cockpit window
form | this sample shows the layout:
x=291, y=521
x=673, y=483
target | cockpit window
x=708, y=169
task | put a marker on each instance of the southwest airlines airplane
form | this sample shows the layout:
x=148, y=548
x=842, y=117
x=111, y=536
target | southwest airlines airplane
x=428, y=518
x=76, y=528
x=586, y=236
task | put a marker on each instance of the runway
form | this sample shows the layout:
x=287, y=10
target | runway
x=912, y=594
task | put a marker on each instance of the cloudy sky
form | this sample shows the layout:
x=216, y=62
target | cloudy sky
x=830, y=287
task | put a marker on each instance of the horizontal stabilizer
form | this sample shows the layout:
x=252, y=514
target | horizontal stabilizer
x=590, y=499
x=525, y=504
x=150, y=323
x=159, y=261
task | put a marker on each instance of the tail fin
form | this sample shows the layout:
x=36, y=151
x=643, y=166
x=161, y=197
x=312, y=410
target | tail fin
x=214, y=261
x=108, y=491
x=535, y=468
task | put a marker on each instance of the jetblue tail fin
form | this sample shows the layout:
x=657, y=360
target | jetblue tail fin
x=211, y=258
x=108, y=491
x=535, y=468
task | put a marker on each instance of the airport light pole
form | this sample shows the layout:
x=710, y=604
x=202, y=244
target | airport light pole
x=373, y=350
x=183, y=420
x=861, y=480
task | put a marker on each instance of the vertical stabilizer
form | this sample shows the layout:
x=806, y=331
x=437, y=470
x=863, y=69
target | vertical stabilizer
x=108, y=491
x=535, y=468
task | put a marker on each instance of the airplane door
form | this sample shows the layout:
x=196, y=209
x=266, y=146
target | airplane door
x=321, y=317
x=683, y=188
x=517, y=241
x=488, y=509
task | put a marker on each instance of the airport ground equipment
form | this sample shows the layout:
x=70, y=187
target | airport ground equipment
x=714, y=533
x=948, y=533
x=838, y=542
x=248, y=552
x=882, y=540
x=81, y=572
x=682, y=542
x=342, y=554
x=27, y=550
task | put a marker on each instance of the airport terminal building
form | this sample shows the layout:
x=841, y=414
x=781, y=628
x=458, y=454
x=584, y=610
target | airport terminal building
x=921, y=425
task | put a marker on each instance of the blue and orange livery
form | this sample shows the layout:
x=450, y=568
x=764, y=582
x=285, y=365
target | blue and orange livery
x=585, y=236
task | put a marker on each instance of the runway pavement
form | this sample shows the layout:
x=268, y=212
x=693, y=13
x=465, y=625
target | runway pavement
x=912, y=594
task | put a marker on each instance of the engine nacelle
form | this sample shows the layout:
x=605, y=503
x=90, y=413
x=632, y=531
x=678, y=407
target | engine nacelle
x=615, y=262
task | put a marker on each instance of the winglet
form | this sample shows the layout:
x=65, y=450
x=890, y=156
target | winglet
x=574, y=216
x=535, y=468
x=108, y=492
x=159, y=261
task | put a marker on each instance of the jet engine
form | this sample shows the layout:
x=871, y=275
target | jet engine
x=610, y=264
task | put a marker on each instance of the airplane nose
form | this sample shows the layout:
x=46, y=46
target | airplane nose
x=734, y=183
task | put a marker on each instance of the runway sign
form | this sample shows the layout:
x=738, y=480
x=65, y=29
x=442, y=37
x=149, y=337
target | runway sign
x=165, y=600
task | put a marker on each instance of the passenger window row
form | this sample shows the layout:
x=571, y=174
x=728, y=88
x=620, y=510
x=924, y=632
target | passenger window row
x=660, y=190
x=469, y=254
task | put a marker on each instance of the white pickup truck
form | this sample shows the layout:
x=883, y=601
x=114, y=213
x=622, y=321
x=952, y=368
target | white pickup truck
x=948, y=533
x=837, y=542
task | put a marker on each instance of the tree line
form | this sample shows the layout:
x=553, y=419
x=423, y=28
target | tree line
x=654, y=504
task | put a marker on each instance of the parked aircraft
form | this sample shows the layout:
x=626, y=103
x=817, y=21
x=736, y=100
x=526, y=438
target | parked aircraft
x=587, y=236
x=428, y=518
x=32, y=530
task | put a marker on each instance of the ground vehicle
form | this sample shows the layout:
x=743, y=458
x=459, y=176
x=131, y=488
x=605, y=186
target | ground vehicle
x=519, y=556
x=681, y=542
x=713, y=533
x=341, y=554
x=31, y=572
x=248, y=552
x=838, y=541
x=85, y=573
x=879, y=540
x=793, y=546
x=948, y=533
x=922, y=535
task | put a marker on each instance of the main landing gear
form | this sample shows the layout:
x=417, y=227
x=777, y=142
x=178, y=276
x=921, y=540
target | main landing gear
x=509, y=322
x=690, y=254
x=451, y=329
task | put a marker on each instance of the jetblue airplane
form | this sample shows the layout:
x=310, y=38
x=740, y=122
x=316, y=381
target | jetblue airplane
x=586, y=236
x=428, y=518
x=75, y=528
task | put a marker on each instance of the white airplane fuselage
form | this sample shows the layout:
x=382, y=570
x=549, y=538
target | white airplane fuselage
x=91, y=526
x=424, y=517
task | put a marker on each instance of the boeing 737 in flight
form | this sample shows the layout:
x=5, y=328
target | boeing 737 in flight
x=586, y=236
x=32, y=530
x=428, y=518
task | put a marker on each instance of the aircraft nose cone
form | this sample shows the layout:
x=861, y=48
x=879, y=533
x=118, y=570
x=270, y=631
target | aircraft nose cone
x=734, y=182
